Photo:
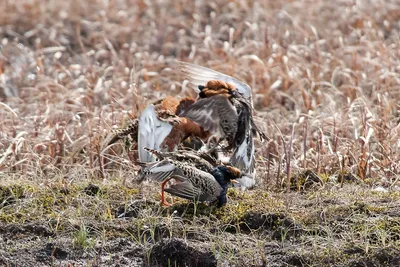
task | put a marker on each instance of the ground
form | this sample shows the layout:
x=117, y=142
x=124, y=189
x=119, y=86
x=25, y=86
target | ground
x=325, y=78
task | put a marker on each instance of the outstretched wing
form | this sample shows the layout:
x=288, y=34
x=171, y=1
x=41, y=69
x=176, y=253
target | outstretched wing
x=198, y=75
x=207, y=111
x=151, y=133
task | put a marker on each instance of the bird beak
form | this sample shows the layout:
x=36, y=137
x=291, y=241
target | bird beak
x=234, y=181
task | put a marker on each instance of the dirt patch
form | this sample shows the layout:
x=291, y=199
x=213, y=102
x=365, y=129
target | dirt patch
x=180, y=252
x=136, y=208
x=26, y=229
x=52, y=251
x=92, y=190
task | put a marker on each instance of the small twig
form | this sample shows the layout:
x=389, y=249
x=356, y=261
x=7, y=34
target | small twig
x=288, y=158
x=305, y=144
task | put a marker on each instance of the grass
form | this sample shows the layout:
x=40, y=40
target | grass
x=325, y=80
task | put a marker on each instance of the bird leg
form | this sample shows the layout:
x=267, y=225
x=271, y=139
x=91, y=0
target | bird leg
x=213, y=143
x=163, y=202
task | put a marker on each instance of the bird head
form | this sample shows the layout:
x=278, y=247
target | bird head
x=224, y=176
x=216, y=87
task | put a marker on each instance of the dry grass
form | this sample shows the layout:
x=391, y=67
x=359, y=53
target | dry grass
x=325, y=78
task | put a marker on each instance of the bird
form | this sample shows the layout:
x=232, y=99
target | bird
x=199, y=75
x=130, y=130
x=225, y=109
x=199, y=159
x=159, y=127
x=209, y=184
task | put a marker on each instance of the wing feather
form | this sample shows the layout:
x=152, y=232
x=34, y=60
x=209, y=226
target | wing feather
x=188, y=191
x=198, y=75
x=151, y=133
x=157, y=171
x=243, y=158
x=247, y=181
x=184, y=190
x=206, y=112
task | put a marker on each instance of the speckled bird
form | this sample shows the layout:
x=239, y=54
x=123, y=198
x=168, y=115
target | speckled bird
x=224, y=108
x=201, y=160
x=191, y=182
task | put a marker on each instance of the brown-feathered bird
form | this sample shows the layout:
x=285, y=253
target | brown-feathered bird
x=224, y=108
x=196, y=178
x=160, y=127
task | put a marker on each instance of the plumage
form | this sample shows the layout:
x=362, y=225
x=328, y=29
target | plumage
x=201, y=160
x=159, y=127
x=191, y=182
x=130, y=130
x=198, y=75
x=224, y=108
x=215, y=114
x=227, y=115
x=152, y=132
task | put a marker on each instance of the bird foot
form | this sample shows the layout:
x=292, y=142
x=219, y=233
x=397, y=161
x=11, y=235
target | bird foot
x=164, y=203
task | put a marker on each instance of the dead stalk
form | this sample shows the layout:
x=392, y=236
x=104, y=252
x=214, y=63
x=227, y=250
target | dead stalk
x=288, y=159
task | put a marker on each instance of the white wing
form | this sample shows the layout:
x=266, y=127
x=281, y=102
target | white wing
x=243, y=158
x=151, y=133
x=198, y=75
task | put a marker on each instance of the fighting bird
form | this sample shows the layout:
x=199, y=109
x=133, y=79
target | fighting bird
x=225, y=109
x=207, y=183
x=159, y=127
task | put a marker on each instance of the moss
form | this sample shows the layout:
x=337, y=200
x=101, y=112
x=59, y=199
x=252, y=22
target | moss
x=9, y=194
x=117, y=192
x=324, y=177
x=384, y=231
x=242, y=203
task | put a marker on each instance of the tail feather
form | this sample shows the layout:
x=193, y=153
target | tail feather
x=131, y=129
x=157, y=171
x=156, y=153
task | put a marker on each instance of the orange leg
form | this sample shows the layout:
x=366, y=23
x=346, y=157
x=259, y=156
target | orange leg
x=163, y=202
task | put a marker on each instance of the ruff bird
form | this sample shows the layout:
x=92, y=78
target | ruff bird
x=224, y=109
x=159, y=127
x=192, y=182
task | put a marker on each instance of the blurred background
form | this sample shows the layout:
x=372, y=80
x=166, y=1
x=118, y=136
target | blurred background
x=331, y=67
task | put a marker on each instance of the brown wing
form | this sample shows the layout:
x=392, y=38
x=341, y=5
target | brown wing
x=210, y=112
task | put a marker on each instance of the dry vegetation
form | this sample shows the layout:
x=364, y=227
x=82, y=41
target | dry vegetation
x=325, y=78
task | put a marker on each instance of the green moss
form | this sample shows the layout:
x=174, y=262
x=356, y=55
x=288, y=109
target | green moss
x=8, y=194
x=117, y=192
x=242, y=203
x=324, y=177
